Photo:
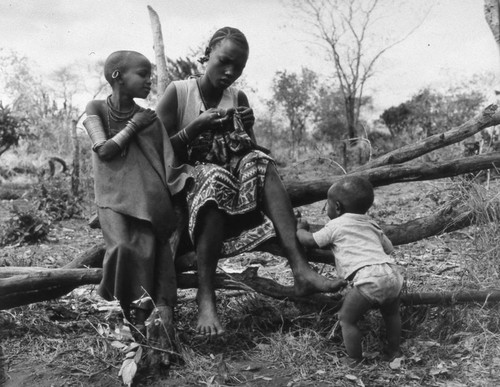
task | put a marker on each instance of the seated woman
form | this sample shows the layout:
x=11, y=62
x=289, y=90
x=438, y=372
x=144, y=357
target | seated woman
x=237, y=199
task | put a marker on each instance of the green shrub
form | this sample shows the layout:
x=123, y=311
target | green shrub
x=54, y=196
x=27, y=225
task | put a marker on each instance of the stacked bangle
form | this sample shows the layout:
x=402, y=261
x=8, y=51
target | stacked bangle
x=123, y=137
x=183, y=136
x=95, y=130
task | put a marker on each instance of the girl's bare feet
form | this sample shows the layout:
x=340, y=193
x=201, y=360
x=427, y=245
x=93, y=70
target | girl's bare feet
x=208, y=322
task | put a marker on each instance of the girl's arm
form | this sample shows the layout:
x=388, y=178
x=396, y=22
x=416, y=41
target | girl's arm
x=105, y=149
x=167, y=113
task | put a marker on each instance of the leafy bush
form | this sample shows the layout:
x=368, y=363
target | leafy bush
x=9, y=194
x=25, y=226
x=54, y=196
x=12, y=128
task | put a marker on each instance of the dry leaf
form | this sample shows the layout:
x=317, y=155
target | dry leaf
x=396, y=363
x=117, y=344
x=138, y=355
x=128, y=371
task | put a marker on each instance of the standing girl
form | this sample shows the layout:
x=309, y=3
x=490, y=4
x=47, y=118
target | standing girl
x=134, y=178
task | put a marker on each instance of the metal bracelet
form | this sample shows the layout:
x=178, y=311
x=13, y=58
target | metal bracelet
x=183, y=136
x=124, y=136
x=95, y=130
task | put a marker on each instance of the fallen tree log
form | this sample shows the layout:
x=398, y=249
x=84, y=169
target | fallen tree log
x=40, y=281
x=39, y=284
x=314, y=190
x=450, y=298
x=490, y=116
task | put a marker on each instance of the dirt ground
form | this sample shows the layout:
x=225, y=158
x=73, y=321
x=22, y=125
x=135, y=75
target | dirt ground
x=69, y=341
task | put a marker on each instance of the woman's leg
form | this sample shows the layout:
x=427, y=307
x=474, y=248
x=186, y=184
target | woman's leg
x=209, y=238
x=278, y=208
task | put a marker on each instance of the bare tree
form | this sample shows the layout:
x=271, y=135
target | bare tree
x=346, y=30
x=159, y=47
x=492, y=16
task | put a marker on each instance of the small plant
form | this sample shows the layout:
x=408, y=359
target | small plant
x=54, y=197
x=12, y=128
x=25, y=226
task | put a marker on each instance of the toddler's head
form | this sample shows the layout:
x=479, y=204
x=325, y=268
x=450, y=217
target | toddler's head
x=352, y=194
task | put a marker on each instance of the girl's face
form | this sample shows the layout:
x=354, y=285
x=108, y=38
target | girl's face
x=226, y=63
x=136, y=79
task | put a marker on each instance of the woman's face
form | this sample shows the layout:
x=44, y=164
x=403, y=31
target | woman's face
x=226, y=63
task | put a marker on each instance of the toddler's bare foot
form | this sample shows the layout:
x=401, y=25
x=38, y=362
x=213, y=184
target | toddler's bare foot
x=308, y=282
x=390, y=355
x=208, y=322
x=351, y=362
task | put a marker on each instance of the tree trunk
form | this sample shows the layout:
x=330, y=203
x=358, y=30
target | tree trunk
x=75, y=173
x=449, y=298
x=314, y=190
x=490, y=116
x=161, y=62
x=23, y=289
x=492, y=16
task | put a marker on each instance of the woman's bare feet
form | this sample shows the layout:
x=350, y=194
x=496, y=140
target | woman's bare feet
x=307, y=281
x=208, y=322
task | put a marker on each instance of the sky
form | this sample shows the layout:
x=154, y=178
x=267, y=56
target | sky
x=453, y=42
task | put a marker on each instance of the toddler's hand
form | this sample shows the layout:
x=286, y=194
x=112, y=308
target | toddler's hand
x=144, y=118
x=302, y=225
x=247, y=116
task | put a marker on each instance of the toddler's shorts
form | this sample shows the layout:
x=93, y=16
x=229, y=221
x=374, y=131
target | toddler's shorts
x=380, y=283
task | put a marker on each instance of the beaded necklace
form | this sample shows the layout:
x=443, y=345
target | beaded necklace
x=117, y=115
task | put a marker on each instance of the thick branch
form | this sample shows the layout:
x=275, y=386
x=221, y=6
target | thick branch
x=37, y=285
x=490, y=116
x=448, y=298
x=44, y=285
x=311, y=191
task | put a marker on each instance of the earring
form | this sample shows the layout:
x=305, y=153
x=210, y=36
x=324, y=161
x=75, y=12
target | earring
x=115, y=74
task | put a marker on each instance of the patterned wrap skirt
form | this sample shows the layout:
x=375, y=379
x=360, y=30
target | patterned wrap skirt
x=238, y=193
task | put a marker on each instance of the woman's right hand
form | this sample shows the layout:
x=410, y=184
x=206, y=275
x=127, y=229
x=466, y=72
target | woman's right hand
x=215, y=118
x=144, y=118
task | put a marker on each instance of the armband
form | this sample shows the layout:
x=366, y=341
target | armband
x=123, y=137
x=95, y=130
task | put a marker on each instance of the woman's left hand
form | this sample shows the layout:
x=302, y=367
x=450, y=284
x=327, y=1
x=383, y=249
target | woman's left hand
x=247, y=117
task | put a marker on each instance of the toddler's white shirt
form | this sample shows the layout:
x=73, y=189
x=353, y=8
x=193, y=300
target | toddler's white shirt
x=356, y=241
